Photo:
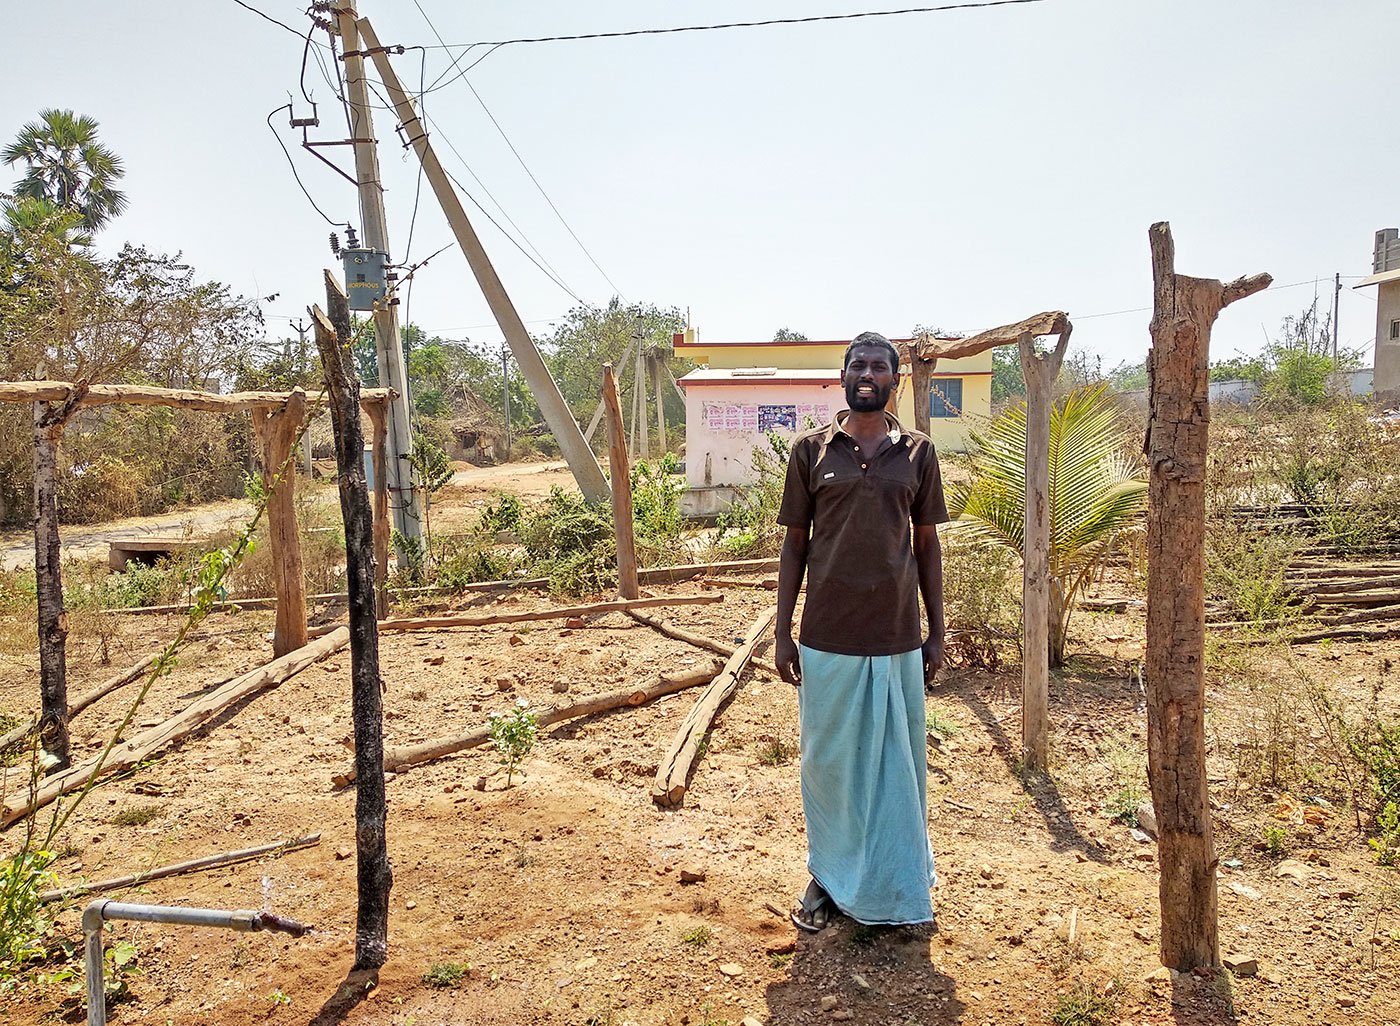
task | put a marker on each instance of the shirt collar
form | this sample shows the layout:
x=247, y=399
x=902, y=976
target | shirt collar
x=838, y=427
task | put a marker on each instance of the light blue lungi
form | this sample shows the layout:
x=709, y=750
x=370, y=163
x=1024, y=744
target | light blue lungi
x=864, y=773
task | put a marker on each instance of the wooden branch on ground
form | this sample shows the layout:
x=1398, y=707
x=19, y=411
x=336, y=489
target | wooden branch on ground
x=148, y=742
x=82, y=701
x=198, y=865
x=766, y=583
x=405, y=756
x=146, y=395
x=671, y=774
x=699, y=640
x=422, y=623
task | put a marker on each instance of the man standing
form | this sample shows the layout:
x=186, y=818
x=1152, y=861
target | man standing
x=853, y=489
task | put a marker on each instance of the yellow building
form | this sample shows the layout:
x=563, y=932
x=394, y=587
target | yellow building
x=741, y=390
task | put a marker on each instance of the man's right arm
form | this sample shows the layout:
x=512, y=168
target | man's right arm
x=792, y=566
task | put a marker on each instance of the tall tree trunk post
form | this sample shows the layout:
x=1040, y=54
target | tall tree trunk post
x=642, y=450
x=375, y=875
x=1178, y=389
x=277, y=432
x=621, y=474
x=1040, y=371
x=49, y=422
x=921, y=381
x=379, y=423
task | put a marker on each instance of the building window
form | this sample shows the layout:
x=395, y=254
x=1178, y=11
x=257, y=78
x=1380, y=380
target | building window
x=946, y=397
x=1394, y=330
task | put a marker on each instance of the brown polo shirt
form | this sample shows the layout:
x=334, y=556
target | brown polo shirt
x=862, y=579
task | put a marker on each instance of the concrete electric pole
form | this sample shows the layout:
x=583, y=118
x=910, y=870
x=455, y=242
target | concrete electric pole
x=388, y=346
x=557, y=414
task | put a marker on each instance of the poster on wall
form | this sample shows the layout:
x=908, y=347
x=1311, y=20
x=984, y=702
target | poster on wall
x=751, y=418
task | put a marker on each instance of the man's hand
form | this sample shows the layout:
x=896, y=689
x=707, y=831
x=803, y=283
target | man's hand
x=933, y=656
x=785, y=655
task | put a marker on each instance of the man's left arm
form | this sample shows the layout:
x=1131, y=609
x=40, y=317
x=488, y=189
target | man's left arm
x=929, y=510
x=929, y=557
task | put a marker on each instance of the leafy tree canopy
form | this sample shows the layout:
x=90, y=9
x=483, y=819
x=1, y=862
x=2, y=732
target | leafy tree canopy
x=65, y=164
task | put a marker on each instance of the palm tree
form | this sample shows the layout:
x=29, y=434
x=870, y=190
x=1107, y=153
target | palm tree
x=67, y=165
x=1094, y=494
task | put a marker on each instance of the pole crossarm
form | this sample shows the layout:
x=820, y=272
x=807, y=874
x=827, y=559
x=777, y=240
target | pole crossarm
x=150, y=395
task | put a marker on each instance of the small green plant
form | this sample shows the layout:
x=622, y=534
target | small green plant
x=703, y=746
x=698, y=937
x=23, y=918
x=443, y=975
x=940, y=726
x=1386, y=844
x=1122, y=805
x=774, y=751
x=862, y=936
x=503, y=514
x=514, y=733
x=749, y=528
x=137, y=815
x=779, y=959
x=279, y=997
x=1083, y=1006
x=1274, y=838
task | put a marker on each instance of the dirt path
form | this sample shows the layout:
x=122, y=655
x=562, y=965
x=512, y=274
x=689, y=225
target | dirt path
x=90, y=541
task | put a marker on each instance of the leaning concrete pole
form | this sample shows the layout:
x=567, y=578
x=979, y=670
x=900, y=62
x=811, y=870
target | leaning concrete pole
x=556, y=412
x=1178, y=375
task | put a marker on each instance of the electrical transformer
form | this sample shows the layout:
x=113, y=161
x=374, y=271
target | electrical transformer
x=364, y=277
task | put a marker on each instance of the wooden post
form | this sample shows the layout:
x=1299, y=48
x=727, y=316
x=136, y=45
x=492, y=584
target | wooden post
x=1040, y=371
x=49, y=422
x=379, y=422
x=921, y=381
x=621, y=489
x=277, y=432
x=654, y=361
x=375, y=876
x=1178, y=389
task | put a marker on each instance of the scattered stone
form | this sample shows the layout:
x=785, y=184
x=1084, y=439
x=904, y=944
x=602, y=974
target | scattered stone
x=860, y=981
x=480, y=784
x=731, y=969
x=1142, y=933
x=341, y=854
x=1146, y=856
x=505, y=683
x=1346, y=1000
x=843, y=1014
x=1348, y=893
x=1147, y=817
x=410, y=905
x=1291, y=869
x=976, y=995
x=1079, y=856
x=436, y=660
x=749, y=1020
x=1161, y=974
x=1241, y=965
x=781, y=947
x=574, y=623
x=561, y=686
x=829, y=1001
x=985, y=872
x=517, y=640
x=692, y=874
x=1245, y=891
x=1232, y=863
x=1141, y=836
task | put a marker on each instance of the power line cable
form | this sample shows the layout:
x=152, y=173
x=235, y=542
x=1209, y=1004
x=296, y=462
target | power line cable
x=292, y=164
x=521, y=160
x=268, y=17
x=750, y=24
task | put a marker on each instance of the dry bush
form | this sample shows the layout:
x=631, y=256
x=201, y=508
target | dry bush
x=322, y=550
x=981, y=599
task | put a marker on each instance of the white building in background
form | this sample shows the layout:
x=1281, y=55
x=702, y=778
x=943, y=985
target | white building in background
x=1385, y=275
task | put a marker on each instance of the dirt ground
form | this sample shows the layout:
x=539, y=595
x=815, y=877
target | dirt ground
x=561, y=899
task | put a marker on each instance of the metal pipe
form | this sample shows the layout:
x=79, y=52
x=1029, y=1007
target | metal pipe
x=99, y=911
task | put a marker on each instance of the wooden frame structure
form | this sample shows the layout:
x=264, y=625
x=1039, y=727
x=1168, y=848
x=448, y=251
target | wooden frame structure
x=278, y=420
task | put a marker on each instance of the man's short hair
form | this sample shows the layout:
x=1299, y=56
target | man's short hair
x=872, y=339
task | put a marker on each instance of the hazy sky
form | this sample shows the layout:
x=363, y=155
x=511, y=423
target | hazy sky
x=960, y=169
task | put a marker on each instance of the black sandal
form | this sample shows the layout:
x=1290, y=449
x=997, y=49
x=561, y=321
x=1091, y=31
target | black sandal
x=815, y=909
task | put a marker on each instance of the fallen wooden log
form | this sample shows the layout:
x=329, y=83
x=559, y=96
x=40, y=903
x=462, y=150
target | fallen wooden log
x=83, y=701
x=430, y=623
x=226, y=858
x=404, y=756
x=671, y=774
x=127, y=754
x=766, y=583
x=1387, y=597
x=1344, y=585
x=698, y=640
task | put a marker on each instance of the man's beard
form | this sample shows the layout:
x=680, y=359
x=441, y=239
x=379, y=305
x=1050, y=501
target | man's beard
x=867, y=403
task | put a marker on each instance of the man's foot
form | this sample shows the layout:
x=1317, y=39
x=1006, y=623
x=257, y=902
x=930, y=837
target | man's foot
x=814, y=910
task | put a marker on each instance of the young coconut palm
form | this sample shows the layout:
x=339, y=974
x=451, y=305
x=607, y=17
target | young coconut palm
x=1094, y=494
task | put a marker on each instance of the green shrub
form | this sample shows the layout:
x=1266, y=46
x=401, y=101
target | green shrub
x=1246, y=570
x=749, y=529
x=503, y=514
x=514, y=733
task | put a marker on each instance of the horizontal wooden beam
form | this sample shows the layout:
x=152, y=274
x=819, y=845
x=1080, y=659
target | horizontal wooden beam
x=1051, y=322
x=149, y=395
